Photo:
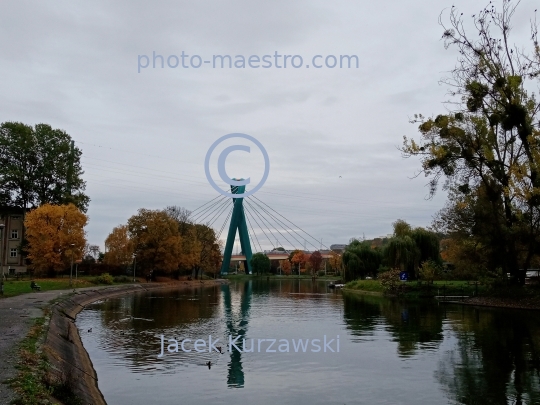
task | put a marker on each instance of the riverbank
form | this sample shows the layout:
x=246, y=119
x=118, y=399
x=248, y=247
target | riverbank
x=363, y=292
x=278, y=277
x=499, y=302
x=470, y=293
x=52, y=333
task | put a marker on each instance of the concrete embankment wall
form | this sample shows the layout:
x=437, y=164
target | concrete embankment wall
x=63, y=346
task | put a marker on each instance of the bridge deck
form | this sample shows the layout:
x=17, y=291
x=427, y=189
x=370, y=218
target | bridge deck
x=274, y=256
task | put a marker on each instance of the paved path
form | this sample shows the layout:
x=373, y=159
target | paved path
x=16, y=318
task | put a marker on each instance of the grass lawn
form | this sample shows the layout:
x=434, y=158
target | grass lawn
x=365, y=285
x=413, y=288
x=14, y=287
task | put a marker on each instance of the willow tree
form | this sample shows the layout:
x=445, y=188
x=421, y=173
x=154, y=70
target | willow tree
x=361, y=260
x=402, y=253
x=489, y=142
x=401, y=228
x=428, y=245
x=410, y=247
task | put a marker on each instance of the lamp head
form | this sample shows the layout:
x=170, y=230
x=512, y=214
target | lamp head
x=2, y=226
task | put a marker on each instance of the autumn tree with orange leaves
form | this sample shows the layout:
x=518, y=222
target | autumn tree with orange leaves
x=166, y=241
x=299, y=259
x=334, y=261
x=156, y=240
x=285, y=267
x=50, y=231
x=119, y=247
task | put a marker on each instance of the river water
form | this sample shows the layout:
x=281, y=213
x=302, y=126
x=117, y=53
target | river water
x=390, y=352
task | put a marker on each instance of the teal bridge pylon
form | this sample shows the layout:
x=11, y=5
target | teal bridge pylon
x=238, y=221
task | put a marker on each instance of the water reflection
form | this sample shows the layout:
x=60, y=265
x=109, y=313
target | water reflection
x=237, y=325
x=431, y=354
x=495, y=359
x=131, y=326
x=493, y=356
x=414, y=326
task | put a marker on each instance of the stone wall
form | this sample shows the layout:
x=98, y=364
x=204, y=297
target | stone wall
x=63, y=346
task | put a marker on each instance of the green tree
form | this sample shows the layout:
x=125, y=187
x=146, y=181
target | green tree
x=401, y=228
x=467, y=220
x=402, y=253
x=260, y=263
x=428, y=245
x=38, y=166
x=361, y=260
x=488, y=144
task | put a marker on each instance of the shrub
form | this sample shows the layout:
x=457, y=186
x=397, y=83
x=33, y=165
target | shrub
x=390, y=281
x=429, y=271
x=122, y=279
x=105, y=278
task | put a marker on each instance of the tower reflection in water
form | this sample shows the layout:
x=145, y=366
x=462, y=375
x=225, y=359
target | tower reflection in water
x=237, y=325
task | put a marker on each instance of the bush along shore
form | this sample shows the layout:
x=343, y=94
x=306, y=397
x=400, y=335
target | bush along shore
x=53, y=366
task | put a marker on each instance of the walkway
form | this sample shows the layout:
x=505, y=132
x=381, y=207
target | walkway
x=16, y=317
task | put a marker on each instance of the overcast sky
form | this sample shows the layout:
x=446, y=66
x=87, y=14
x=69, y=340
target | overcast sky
x=331, y=134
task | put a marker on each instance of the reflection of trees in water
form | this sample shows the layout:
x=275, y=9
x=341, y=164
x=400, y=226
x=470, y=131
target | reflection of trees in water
x=413, y=326
x=496, y=359
x=167, y=309
x=496, y=356
x=262, y=286
x=237, y=324
x=131, y=323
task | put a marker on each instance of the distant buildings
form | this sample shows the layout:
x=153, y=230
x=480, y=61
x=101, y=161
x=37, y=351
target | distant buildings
x=338, y=248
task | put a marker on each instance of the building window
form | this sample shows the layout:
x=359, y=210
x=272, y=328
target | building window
x=14, y=234
x=13, y=252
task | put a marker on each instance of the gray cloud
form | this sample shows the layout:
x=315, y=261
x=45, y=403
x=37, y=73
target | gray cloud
x=144, y=135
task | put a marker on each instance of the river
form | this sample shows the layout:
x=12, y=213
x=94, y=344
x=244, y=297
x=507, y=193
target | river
x=389, y=352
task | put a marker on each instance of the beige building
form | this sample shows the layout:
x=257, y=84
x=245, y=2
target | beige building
x=12, y=260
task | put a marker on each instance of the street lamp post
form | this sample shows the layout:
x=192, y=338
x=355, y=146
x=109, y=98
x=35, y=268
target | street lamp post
x=134, y=266
x=2, y=226
x=71, y=268
x=343, y=269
